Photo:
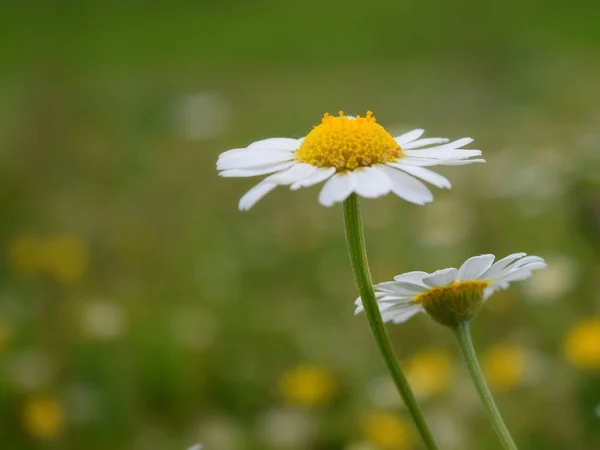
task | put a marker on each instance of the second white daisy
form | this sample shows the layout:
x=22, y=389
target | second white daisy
x=350, y=154
x=451, y=296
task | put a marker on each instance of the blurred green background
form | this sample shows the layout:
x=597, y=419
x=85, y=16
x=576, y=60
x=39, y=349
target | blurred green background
x=140, y=310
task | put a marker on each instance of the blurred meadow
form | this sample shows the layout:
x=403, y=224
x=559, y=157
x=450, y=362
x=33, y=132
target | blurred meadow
x=140, y=310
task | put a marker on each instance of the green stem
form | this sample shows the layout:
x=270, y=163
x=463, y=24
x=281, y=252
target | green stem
x=360, y=266
x=463, y=334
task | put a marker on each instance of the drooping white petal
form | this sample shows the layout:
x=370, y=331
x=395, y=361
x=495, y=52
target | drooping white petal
x=488, y=291
x=527, y=260
x=413, y=277
x=473, y=267
x=320, y=175
x=337, y=188
x=442, y=153
x=409, y=136
x=381, y=296
x=261, y=170
x=424, y=174
x=534, y=265
x=276, y=144
x=255, y=194
x=499, y=266
x=297, y=172
x=251, y=159
x=386, y=303
x=401, y=313
x=441, y=277
x=407, y=187
x=424, y=142
x=372, y=182
x=401, y=287
x=515, y=275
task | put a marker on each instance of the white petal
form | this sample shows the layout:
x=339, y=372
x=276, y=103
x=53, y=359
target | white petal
x=443, y=153
x=321, y=174
x=295, y=173
x=409, y=136
x=441, y=277
x=407, y=187
x=385, y=296
x=424, y=142
x=424, y=174
x=233, y=151
x=515, y=275
x=457, y=143
x=499, y=266
x=426, y=162
x=372, y=182
x=385, y=302
x=255, y=194
x=337, y=188
x=413, y=277
x=534, y=265
x=261, y=170
x=276, y=144
x=527, y=260
x=473, y=267
x=251, y=159
x=404, y=288
x=487, y=292
x=401, y=313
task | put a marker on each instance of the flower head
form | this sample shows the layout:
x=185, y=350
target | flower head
x=451, y=296
x=350, y=154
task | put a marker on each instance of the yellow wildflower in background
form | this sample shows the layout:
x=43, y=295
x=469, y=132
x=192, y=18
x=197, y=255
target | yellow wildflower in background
x=307, y=385
x=582, y=346
x=429, y=372
x=44, y=417
x=387, y=431
x=64, y=258
x=23, y=254
x=504, y=366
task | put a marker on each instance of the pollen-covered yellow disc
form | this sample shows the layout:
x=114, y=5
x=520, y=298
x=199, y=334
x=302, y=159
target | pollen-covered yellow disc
x=348, y=143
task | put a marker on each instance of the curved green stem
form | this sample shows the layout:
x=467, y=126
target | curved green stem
x=463, y=334
x=360, y=266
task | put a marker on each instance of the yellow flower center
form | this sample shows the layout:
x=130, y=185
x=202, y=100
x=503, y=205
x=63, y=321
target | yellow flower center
x=346, y=143
x=454, y=303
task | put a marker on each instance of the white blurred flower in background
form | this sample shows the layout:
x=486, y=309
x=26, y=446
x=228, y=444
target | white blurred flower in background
x=29, y=370
x=102, y=319
x=221, y=433
x=555, y=282
x=382, y=393
x=445, y=223
x=287, y=428
x=201, y=116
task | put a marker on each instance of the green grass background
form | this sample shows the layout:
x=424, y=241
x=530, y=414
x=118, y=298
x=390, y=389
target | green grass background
x=91, y=145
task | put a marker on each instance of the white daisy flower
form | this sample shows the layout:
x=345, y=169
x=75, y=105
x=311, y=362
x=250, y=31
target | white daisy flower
x=451, y=296
x=350, y=154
